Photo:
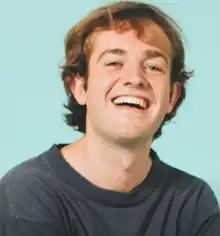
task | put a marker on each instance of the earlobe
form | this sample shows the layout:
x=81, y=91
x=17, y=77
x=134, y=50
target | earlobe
x=77, y=88
x=175, y=95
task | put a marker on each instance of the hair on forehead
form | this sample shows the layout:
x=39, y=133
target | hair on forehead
x=121, y=17
x=144, y=29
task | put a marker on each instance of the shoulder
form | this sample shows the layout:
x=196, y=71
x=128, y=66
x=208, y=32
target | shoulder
x=196, y=205
x=188, y=184
x=27, y=192
x=29, y=171
x=196, y=196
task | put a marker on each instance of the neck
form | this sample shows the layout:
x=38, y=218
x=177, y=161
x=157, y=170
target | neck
x=111, y=166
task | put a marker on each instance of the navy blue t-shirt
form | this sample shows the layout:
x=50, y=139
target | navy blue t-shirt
x=44, y=196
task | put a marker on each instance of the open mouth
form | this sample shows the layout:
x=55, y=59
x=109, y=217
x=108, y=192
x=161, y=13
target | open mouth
x=131, y=102
x=130, y=105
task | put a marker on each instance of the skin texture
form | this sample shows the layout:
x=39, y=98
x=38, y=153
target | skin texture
x=113, y=154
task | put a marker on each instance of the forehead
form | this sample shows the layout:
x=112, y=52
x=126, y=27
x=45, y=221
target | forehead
x=152, y=35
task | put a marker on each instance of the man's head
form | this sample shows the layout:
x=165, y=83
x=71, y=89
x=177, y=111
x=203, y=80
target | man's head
x=126, y=52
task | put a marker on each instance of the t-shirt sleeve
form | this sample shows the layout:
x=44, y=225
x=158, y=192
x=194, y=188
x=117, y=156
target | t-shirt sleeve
x=27, y=207
x=206, y=218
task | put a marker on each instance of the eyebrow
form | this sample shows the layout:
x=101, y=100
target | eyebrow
x=115, y=51
x=149, y=54
x=154, y=54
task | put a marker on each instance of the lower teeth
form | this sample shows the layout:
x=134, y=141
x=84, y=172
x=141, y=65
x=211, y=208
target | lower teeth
x=131, y=105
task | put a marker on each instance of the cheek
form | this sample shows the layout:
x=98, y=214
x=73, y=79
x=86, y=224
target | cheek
x=161, y=89
x=103, y=83
x=96, y=92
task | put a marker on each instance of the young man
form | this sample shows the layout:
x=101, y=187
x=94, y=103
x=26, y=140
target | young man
x=125, y=76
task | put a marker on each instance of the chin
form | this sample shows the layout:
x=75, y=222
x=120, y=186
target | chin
x=132, y=137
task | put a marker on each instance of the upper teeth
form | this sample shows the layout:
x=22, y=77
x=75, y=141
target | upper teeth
x=131, y=100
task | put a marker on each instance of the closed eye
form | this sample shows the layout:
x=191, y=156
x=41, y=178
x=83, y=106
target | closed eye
x=116, y=64
x=154, y=68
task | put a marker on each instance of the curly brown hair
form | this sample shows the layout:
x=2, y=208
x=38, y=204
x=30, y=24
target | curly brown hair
x=119, y=16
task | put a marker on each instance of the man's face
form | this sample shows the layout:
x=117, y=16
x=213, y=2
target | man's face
x=128, y=91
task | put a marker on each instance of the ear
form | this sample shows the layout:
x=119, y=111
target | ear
x=77, y=88
x=175, y=95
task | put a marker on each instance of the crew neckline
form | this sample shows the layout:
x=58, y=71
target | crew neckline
x=69, y=175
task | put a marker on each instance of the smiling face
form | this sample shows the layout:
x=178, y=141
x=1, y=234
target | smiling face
x=128, y=90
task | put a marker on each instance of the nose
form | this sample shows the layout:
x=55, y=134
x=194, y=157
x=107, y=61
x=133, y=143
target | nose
x=135, y=76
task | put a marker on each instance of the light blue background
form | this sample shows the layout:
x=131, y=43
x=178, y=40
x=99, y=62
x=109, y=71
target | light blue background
x=31, y=48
